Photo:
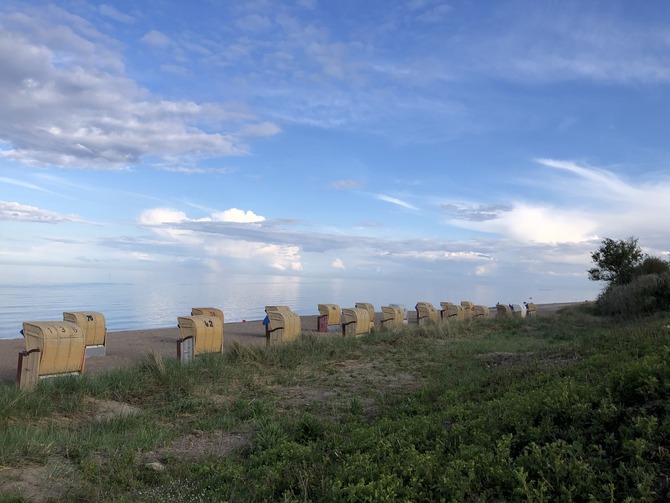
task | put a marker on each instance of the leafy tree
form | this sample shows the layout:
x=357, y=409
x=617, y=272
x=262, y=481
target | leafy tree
x=616, y=261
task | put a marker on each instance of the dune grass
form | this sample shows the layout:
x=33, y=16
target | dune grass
x=570, y=407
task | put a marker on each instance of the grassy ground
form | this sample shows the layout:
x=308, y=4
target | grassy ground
x=570, y=407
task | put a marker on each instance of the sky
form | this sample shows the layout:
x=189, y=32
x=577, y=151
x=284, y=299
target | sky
x=480, y=145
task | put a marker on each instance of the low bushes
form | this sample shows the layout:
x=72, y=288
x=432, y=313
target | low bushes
x=643, y=295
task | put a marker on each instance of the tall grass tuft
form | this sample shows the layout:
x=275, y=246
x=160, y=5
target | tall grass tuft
x=239, y=353
x=22, y=444
x=155, y=365
x=17, y=404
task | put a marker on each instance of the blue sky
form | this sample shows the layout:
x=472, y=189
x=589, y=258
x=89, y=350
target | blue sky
x=478, y=144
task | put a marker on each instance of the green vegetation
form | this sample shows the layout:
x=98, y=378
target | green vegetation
x=645, y=294
x=636, y=283
x=568, y=407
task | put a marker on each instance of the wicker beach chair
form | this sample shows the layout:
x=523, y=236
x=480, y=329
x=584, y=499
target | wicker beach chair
x=531, y=308
x=283, y=324
x=503, y=311
x=206, y=331
x=392, y=316
x=425, y=312
x=452, y=312
x=52, y=348
x=355, y=321
x=332, y=311
x=481, y=312
x=469, y=308
x=371, y=311
x=518, y=310
x=95, y=330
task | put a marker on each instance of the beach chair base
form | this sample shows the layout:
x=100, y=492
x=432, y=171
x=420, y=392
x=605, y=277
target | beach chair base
x=186, y=349
x=99, y=350
x=322, y=323
x=28, y=370
x=274, y=337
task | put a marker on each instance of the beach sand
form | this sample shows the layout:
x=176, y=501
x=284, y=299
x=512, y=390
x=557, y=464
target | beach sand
x=129, y=347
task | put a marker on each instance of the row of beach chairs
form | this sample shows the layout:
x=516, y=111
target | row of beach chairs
x=61, y=347
x=425, y=311
x=330, y=314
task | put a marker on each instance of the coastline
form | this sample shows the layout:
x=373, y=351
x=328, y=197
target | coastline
x=128, y=347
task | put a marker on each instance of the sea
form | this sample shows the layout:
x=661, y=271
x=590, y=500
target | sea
x=157, y=304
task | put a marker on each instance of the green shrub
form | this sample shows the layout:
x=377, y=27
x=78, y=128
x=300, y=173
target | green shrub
x=645, y=294
x=652, y=265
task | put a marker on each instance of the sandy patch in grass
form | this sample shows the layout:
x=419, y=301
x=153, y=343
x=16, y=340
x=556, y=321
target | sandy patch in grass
x=102, y=410
x=199, y=445
x=338, y=383
x=38, y=484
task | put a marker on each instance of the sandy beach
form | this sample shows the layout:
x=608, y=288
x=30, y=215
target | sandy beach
x=131, y=346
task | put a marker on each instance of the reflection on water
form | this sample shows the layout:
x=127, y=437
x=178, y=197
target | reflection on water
x=128, y=306
x=152, y=304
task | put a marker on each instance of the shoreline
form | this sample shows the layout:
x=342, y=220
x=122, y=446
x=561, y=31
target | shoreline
x=125, y=348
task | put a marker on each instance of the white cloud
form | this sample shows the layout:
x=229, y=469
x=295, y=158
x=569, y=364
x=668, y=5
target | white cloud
x=544, y=224
x=23, y=213
x=337, y=264
x=157, y=216
x=238, y=216
x=533, y=222
x=220, y=248
x=396, y=201
x=162, y=220
x=261, y=129
x=73, y=106
x=280, y=257
x=586, y=205
x=475, y=212
x=294, y=266
x=156, y=38
x=145, y=257
x=433, y=255
x=485, y=270
x=621, y=208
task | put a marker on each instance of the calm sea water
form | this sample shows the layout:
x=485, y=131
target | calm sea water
x=150, y=304
x=129, y=306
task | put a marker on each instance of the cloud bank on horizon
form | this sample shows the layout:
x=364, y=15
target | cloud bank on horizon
x=438, y=141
